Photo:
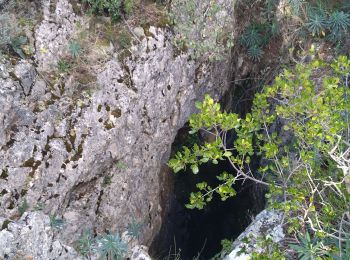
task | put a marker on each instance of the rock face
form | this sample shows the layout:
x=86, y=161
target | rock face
x=92, y=155
x=267, y=224
x=32, y=238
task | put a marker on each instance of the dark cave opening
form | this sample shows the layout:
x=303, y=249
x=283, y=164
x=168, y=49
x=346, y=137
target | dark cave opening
x=197, y=234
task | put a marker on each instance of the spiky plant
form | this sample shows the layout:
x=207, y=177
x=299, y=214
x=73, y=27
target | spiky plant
x=23, y=207
x=317, y=23
x=85, y=244
x=308, y=249
x=74, y=48
x=250, y=38
x=255, y=53
x=338, y=23
x=296, y=6
x=134, y=228
x=111, y=247
x=112, y=6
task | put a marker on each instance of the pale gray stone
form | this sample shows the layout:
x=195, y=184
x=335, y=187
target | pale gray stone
x=33, y=238
x=94, y=160
x=267, y=224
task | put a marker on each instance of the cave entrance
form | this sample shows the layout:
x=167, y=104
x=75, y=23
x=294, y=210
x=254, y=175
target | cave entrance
x=197, y=234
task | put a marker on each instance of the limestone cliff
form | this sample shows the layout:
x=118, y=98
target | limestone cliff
x=91, y=153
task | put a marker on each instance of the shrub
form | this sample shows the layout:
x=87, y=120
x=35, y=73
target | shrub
x=303, y=179
x=115, y=8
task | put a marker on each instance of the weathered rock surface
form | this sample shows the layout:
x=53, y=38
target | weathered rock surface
x=54, y=32
x=32, y=238
x=267, y=224
x=92, y=154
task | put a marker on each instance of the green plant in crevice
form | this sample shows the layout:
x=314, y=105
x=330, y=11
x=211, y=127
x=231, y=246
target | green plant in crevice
x=342, y=249
x=134, y=228
x=251, y=37
x=63, y=66
x=129, y=6
x=111, y=247
x=296, y=5
x=74, y=48
x=121, y=165
x=85, y=244
x=107, y=180
x=56, y=222
x=124, y=40
x=255, y=53
x=256, y=36
x=23, y=207
x=16, y=44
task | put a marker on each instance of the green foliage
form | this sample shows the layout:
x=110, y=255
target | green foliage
x=270, y=250
x=342, y=250
x=256, y=36
x=85, y=244
x=63, y=66
x=74, y=48
x=296, y=5
x=129, y=6
x=115, y=8
x=255, y=53
x=121, y=165
x=226, y=248
x=16, y=44
x=226, y=245
x=317, y=23
x=303, y=178
x=134, y=228
x=23, y=207
x=107, y=180
x=56, y=222
x=111, y=246
x=339, y=23
x=251, y=37
x=203, y=26
x=124, y=40
x=308, y=249
x=10, y=35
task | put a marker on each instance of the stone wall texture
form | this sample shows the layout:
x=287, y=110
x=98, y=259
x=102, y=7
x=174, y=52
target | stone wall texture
x=92, y=156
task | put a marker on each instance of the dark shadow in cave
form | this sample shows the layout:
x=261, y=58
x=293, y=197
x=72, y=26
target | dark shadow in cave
x=193, y=232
